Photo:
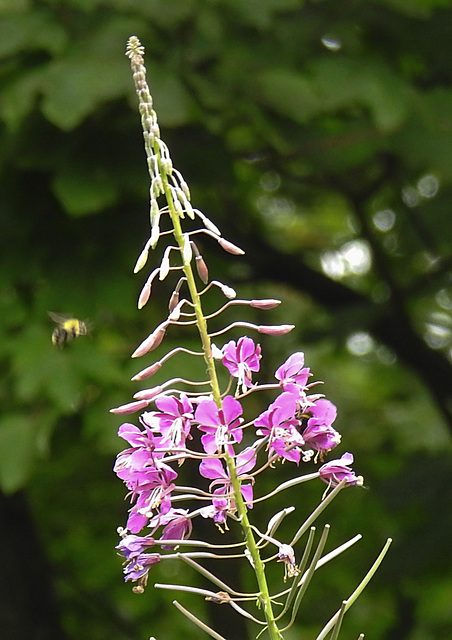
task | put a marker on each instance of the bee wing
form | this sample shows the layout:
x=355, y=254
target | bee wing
x=59, y=318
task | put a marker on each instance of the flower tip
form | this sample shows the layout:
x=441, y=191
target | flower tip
x=265, y=304
x=277, y=330
x=202, y=270
x=144, y=295
x=130, y=407
x=147, y=373
x=151, y=342
x=134, y=47
x=230, y=247
x=141, y=261
x=227, y=291
x=148, y=394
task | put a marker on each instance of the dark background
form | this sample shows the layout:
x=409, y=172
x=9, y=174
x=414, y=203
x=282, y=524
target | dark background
x=318, y=136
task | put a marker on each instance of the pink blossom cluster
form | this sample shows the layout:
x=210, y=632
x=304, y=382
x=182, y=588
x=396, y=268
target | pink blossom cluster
x=296, y=426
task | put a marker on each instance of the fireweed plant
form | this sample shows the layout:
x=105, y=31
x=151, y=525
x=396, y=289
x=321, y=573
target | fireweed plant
x=196, y=422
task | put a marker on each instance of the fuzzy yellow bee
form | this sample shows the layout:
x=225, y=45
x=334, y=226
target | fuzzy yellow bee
x=68, y=328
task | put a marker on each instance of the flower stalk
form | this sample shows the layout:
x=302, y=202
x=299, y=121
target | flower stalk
x=297, y=427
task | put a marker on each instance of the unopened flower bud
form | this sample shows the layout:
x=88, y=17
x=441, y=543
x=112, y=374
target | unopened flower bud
x=156, y=130
x=184, y=186
x=178, y=207
x=154, y=211
x=130, y=407
x=180, y=195
x=202, y=269
x=148, y=139
x=175, y=313
x=277, y=330
x=230, y=248
x=148, y=372
x=151, y=342
x=186, y=251
x=167, y=165
x=209, y=225
x=189, y=209
x=174, y=301
x=265, y=304
x=157, y=186
x=165, y=264
x=153, y=166
x=148, y=394
x=147, y=126
x=227, y=291
x=142, y=259
x=155, y=234
x=146, y=290
x=144, y=295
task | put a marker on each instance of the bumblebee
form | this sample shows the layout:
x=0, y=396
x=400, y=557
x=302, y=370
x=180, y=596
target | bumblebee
x=68, y=328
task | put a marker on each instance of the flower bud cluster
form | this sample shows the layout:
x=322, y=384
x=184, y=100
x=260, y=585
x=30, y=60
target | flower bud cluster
x=166, y=181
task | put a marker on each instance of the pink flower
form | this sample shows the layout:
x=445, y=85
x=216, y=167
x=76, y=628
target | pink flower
x=151, y=488
x=240, y=359
x=319, y=434
x=139, y=567
x=221, y=426
x=175, y=419
x=286, y=554
x=218, y=510
x=131, y=546
x=280, y=425
x=333, y=472
x=177, y=526
x=293, y=372
x=213, y=469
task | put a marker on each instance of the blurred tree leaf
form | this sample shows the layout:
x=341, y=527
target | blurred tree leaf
x=17, y=450
x=92, y=72
x=84, y=190
x=27, y=31
x=288, y=93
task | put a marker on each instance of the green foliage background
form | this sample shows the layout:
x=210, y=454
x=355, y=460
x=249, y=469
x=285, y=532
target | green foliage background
x=318, y=135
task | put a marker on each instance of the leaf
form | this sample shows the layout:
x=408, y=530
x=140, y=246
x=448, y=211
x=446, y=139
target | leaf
x=426, y=140
x=346, y=83
x=416, y=8
x=94, y=71
x=18, y=97
x=37, y=29
x=289, y=93
x=17, y=450
x=174, y=104
x=8, y=7
x=84, y=191
x=261, y=13
x=333, y=84
x=42, y=372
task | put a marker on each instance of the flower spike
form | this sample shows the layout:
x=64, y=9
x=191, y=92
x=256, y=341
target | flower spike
x=187, y=420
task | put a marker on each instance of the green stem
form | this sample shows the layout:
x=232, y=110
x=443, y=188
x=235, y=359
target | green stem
x=195, y=298
x=258, y=565
x=150, y=128
x=264, y=596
